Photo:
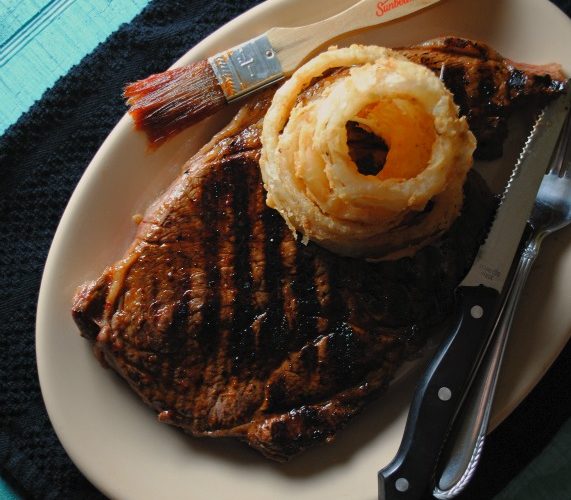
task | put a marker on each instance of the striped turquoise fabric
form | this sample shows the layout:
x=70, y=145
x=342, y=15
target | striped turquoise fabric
x=40, y=40
x=6, y=492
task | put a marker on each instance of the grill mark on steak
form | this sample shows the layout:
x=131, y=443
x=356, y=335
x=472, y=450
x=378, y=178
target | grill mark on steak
x=209, y=208
x=344, y=351
x=455, y=80
x=260, y=294
x=304, y=290
x=487, y=86
x=209, y=332
x=273, y=332
x=308, y=357
x=329, y=293
x=242, y=340
x=288, y=252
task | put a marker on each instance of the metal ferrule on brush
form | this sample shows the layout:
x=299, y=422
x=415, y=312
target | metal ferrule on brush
x=246, y=67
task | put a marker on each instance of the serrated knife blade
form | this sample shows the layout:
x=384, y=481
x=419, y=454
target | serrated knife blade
x=495, y=256
x=440, y=392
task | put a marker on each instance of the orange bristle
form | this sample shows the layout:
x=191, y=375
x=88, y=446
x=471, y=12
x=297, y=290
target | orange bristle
x=166, y=103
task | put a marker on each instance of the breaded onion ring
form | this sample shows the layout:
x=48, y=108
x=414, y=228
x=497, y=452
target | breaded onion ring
x=316, y=186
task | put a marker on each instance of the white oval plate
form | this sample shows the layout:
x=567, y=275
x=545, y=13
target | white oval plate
x=116, y=441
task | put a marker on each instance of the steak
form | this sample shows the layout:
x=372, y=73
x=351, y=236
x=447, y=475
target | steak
x=227, y=326
x=485, y=85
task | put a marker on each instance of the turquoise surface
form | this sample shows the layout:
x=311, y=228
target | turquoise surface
x=40, y=40
x=548, y=477
x=6, y=492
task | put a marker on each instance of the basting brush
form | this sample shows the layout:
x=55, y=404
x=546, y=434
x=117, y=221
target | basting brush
x=166, y=103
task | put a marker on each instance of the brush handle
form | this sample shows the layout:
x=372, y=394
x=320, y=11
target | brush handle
x=293, y=45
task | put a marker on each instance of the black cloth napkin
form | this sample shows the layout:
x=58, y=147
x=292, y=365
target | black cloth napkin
x=43, y=156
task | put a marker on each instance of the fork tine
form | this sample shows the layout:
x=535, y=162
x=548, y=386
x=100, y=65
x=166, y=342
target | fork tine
x=566, y=161
x=559, y=165
x=566, y=171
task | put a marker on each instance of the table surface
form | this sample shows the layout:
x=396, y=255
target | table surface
x=27, y=27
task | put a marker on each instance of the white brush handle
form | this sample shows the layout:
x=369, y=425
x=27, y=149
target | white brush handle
x=293, y=45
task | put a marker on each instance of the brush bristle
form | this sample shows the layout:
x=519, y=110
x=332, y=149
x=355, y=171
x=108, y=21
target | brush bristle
x=166, y=103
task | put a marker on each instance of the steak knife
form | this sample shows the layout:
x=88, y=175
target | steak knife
x=440, y=391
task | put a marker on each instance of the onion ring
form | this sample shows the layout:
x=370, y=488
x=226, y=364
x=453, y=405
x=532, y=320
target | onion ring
x=312, y=181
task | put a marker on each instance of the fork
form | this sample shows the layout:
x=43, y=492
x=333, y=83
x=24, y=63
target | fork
x=551, y=212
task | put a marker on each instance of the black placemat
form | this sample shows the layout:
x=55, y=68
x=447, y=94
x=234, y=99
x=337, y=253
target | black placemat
x=42, y=158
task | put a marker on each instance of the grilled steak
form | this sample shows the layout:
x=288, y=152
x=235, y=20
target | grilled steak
x=485, y=85
x=227, y=326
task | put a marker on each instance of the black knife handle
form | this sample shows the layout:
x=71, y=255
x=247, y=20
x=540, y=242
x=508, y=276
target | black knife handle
x=438, y=396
